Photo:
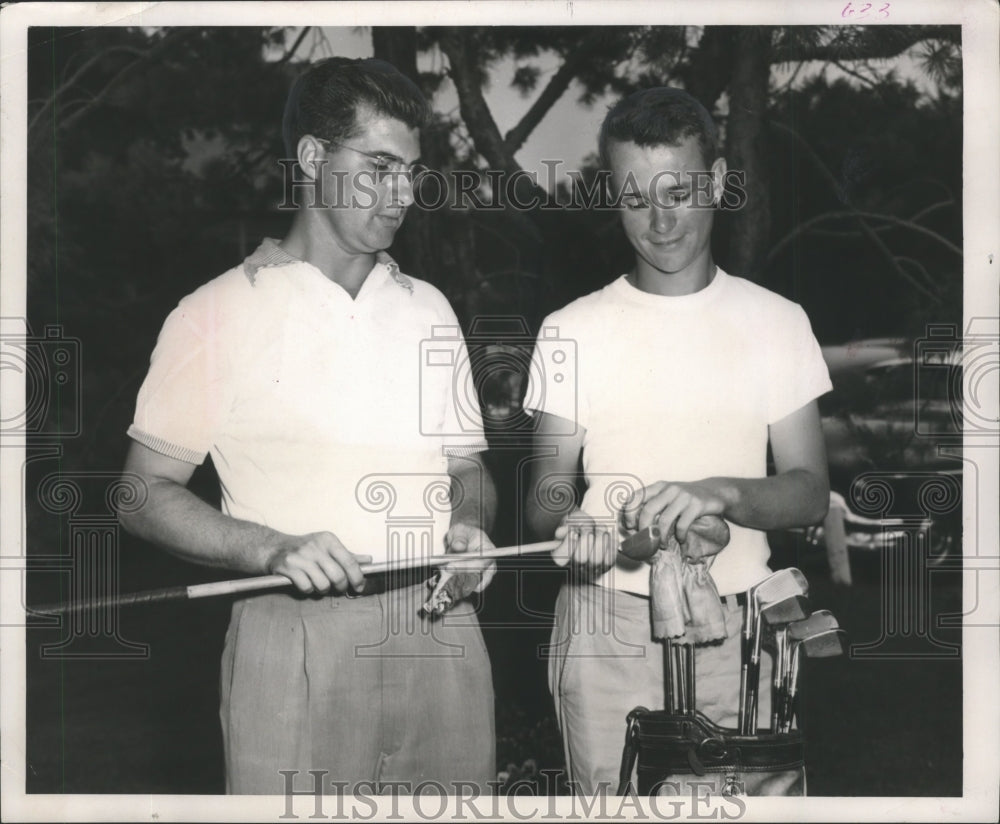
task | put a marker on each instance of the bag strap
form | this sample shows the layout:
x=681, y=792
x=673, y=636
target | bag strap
x=630, y=751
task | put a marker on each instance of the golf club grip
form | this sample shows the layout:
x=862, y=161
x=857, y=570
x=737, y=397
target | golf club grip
x=151, y=596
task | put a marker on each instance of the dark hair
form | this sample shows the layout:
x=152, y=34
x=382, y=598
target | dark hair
x=324, y=100
x=657, y=117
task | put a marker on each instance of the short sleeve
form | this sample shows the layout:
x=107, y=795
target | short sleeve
x=186, y=393
x=798, y=373
x=554, y=379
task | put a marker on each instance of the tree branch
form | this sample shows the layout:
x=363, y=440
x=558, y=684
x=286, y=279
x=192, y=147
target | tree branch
x=295, y=46
x=144, y=56
x=471, y=103
x=866, y=80
x=553, y=90
x=861, y=217
x=892, y=220
x=868, y=45
x=808, y=225
x=78, y=74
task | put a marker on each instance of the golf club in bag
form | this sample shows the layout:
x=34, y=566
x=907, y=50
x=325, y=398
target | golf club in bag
x=668, y=749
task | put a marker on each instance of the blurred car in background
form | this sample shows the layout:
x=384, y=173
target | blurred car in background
x=893, y=406
x=888, y=411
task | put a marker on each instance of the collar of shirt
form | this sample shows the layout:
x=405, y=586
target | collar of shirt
x=269, y=253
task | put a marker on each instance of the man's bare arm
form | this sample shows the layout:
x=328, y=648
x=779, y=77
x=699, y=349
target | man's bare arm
x=473, y=493
x=557, y=447
x=797, y=495
x=183, y=524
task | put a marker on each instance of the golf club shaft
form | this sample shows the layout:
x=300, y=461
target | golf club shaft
x=668, y=676
x=753, y=678
x=788, y=710
x=680, y=682
x=262, y=582
x=745, y=658
x=692, y=702
x=780, y=641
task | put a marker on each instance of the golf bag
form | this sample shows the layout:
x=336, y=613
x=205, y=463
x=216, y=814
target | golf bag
x=674, y=751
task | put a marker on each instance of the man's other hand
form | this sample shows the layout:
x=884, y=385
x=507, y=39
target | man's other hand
x=462, y=538
x=319, y=562
x=585, y=543
x=673, y=505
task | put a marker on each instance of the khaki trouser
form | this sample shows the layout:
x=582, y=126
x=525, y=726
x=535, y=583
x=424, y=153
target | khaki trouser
x=362, y=688
x=604, y=663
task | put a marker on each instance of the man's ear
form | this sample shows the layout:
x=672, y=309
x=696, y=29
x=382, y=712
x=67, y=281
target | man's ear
x=311, y=156
x=719, y=169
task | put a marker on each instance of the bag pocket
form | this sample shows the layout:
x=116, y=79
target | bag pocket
x=675, y=753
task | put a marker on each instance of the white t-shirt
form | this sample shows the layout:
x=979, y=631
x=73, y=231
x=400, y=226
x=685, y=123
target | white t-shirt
x=320, y=412
x=677, y=389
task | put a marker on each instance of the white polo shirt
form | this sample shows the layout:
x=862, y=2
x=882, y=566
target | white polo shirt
x=320, y=412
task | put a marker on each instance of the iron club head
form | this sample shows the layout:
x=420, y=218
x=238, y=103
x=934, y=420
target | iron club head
x=827, y=643
x=792, y=608
x=820, y=621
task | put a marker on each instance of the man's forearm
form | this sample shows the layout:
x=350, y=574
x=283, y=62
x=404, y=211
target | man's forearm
x=183, y=524
x=473, y=494
x=794, y=498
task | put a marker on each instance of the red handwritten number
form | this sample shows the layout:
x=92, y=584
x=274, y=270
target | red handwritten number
x=850, y=11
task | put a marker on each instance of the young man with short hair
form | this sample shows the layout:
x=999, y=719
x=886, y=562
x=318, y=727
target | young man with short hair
x=299, y=372
x=684, y=375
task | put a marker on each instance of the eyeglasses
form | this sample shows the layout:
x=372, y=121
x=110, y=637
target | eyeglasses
x=387, y=166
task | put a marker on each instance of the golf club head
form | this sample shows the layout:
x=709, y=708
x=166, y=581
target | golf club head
x=792, y=608
x=828, y=644
x=784, y=583
x=642, y=545
x=777, y=585
x=777, y=614
x=819, y=621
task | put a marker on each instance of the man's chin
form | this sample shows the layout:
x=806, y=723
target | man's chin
x=668, y=265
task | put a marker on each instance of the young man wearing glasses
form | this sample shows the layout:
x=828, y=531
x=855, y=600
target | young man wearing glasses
x=684, y=376
x=299, y=372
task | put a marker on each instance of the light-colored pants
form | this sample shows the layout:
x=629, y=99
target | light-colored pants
x=362, y=688
x=604, y=663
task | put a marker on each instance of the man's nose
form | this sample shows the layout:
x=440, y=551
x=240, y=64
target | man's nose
x=401, y=189
x=662, y=219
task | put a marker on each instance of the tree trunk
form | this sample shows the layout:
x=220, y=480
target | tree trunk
x=397, y=45
x=746, y=148
x=438, y=246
